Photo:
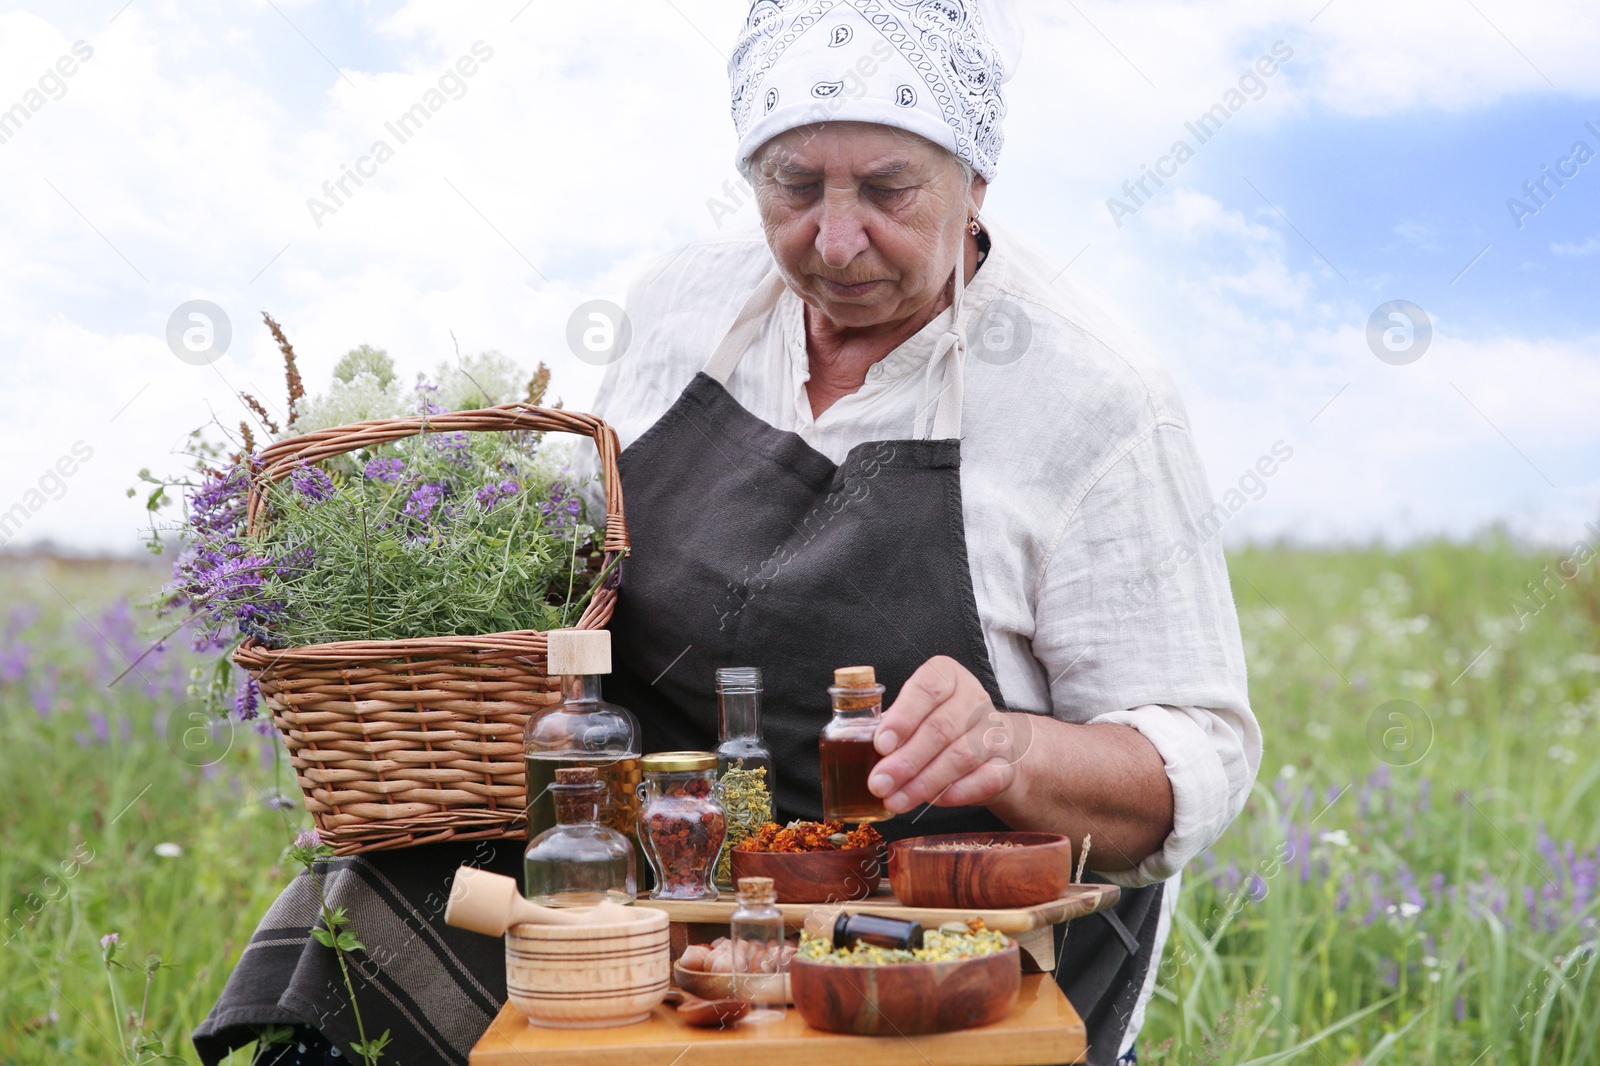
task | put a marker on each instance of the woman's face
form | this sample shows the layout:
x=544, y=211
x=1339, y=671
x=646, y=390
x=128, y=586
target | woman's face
x=864, y=220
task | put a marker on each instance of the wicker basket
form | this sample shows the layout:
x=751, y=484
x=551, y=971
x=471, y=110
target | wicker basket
x=402, y=742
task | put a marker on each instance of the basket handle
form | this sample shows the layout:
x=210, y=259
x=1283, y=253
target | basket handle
x=280, y=460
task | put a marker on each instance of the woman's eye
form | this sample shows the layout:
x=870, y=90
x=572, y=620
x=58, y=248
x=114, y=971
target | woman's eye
x=886, y=193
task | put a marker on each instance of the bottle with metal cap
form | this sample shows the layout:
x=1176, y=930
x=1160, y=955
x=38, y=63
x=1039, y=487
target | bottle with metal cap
x=582, y=730
x=848, y=755
x=682, y=824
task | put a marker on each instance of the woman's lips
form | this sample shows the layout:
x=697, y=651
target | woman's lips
x=860, y=288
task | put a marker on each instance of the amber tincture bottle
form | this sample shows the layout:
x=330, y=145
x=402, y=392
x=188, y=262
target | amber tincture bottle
x=847, y=752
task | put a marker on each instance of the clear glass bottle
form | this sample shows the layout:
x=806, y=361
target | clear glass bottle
x=756, y=929
x=582, y=730
x=846, y=747
x=682, y=825
x=744, y=763
x=579, y=862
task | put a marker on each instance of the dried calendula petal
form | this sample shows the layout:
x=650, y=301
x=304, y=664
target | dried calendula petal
x=954, y=927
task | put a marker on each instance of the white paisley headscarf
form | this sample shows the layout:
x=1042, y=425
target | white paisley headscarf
x=933, y=67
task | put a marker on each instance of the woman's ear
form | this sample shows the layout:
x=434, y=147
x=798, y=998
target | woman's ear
x=980, y=185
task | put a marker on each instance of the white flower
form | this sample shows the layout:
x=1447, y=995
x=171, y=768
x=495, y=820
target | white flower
x=481, y=380
x=168, y=850
x=1287, y=770
x=1337, y=837
x=1403, y=910
x=357, y=400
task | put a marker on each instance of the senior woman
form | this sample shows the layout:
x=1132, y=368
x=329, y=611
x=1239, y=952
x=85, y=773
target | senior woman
x=884, y=434
x=887, y=434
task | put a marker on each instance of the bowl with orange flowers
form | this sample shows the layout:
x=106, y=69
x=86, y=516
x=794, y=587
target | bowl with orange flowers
x=812, y=862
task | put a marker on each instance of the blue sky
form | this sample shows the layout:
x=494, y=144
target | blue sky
x=178, y=164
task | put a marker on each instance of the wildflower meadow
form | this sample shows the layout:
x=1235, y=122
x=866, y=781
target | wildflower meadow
x=1413, y=880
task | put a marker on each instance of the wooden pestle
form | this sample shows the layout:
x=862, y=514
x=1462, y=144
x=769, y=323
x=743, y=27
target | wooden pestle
x=489, y=903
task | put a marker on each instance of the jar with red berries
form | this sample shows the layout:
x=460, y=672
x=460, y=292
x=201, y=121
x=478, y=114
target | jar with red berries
x=682, y=823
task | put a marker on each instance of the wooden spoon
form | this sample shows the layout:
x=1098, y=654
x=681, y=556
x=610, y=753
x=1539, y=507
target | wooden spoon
x=489, y=903
x=707, y=1013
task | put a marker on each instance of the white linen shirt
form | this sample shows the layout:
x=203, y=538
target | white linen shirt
x=1080, y=484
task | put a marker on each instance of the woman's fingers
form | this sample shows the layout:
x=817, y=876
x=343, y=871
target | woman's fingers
x=929, y=720
x=934, y=682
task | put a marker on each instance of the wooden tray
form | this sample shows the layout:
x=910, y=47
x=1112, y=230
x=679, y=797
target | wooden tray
x=1043, y=1029
x=1079, y=901
x=1028, y=926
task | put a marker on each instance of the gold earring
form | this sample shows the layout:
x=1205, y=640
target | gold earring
x=973, y=227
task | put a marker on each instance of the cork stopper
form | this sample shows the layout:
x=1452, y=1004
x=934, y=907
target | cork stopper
x=578, y=652
x=855, y=677
x=755, y=885
x=577, y=775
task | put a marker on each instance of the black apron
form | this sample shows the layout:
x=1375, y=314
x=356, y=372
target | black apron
x=751, y=548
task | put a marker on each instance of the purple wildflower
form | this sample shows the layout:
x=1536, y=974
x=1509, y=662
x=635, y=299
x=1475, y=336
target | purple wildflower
x=308, y=840
x=385, y=470
x=279, y=802
x=14, y=662
x=109, y=941
x=450, y=442
x=312, y=484
x=491, y=494
x=248, y=699
x=1460, y=1009
x=424, y=502
x=562, y=509
x=43, y=692
x=1256, y=890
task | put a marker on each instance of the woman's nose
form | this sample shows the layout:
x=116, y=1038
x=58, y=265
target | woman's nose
x=840, y=235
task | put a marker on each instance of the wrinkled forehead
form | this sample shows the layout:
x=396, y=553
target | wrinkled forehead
x=860, y=150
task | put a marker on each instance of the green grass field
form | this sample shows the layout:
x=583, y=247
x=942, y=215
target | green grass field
x=1413, y=880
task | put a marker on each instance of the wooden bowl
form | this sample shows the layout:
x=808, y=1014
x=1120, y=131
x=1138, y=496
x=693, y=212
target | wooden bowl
x=1038, y=871
x=709, y=985
x=814, y=876
x=906, y=998
x=589, y=976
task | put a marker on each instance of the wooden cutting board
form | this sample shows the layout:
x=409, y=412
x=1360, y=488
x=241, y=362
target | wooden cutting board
x=1030, y=927
x=1043, y=1028
x=1079, y=901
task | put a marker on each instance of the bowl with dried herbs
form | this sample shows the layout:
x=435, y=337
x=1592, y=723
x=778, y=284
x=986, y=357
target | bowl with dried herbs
x=980, y=870
x=963, y=976
x=813, y=862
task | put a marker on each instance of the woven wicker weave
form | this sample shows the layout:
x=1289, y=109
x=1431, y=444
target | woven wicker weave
x=402, y=742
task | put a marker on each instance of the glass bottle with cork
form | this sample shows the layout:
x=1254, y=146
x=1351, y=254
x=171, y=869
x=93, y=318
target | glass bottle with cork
x=744, y=762
x=846, y=746
x=756, y=929
x=579, y=862
x=582, y=730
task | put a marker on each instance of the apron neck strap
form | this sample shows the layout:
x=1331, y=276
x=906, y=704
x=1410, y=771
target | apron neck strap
x=951, y=349
x=745, y=329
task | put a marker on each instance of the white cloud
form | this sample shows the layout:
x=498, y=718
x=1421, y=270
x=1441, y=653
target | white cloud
x=592, y=140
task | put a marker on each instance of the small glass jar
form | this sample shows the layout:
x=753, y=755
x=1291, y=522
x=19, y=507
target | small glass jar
x=847, y=750
x=744, y=763
x=682, y=823
x=579, y=862
x=756, y=929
